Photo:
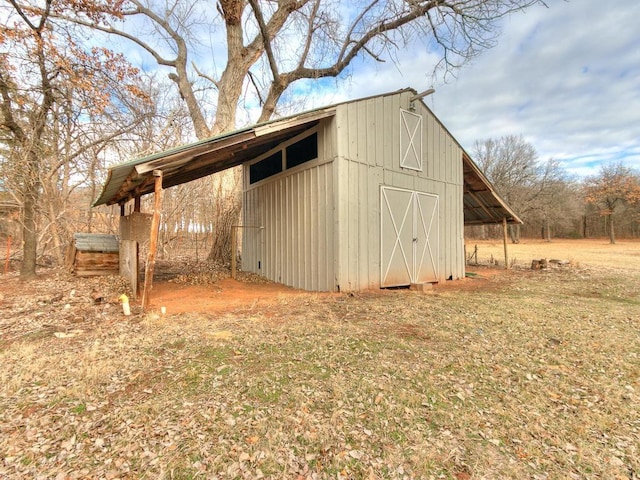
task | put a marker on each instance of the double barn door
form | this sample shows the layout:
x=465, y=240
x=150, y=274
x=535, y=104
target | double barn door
x=409, y=237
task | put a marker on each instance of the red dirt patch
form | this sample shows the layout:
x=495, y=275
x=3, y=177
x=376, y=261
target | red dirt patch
x=480, y=278
x=228, y=295
x=223, y=296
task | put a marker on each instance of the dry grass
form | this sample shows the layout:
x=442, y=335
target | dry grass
x=595, y=253
x=534, y=375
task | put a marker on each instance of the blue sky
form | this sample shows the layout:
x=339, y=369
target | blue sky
x=566, y=78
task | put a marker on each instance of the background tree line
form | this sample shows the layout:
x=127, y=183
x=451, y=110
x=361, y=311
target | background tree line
x=553, y=204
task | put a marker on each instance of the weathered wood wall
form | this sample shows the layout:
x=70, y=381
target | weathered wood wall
x=94, y=254
x=96, y=263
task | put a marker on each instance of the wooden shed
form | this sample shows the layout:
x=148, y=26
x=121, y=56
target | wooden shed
x=93, y=254
x=370, y=193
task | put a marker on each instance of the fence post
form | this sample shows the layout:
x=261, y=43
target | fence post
x=504, y=234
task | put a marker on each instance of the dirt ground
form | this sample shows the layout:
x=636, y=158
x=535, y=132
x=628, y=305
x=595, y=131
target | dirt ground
x=228, y=294
x=222, y=294
x=506, y=374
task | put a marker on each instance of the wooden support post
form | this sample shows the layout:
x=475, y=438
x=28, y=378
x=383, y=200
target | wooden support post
x=504, y=234
x=153, y=241
x=137, y=203
x=234, y=249
x=138, y=292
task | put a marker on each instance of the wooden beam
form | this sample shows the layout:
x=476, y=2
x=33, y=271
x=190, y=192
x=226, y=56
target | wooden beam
x=153, y=241
x=137, y=204
x=504, y=239
x=188, y=154
x=480, y=204
x=131, y=188
x=144, y=187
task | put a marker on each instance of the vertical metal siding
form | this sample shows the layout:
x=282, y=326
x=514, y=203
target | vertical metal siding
x=296, y=209
x=295, y=213
x=375, y=175
x=341, y=218
x=375, y=123
x=322, y=224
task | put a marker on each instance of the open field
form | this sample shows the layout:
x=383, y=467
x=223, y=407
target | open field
x=518, y=374
x=596, y=253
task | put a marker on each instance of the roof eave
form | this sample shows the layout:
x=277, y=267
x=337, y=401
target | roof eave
x=128, y=180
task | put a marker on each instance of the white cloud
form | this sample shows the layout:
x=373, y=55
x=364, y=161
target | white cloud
x=566, y=77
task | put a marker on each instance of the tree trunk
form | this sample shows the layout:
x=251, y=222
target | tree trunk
x=32, y=174
x=58, y=250
x=548, y=232
x=514, y=233
x=612, y=234
x=29, y=226
x=226, y=210
x=546, y=229
x=53, y=203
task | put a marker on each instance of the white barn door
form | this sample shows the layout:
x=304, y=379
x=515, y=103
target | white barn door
x=408, y=237
x=426, y=244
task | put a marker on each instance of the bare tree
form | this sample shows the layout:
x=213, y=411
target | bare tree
x=79, y=139
x=267, y=46
x=555, y=200
x=40, y=57
x=534, y=189
x=25, y=128
x=613, y=189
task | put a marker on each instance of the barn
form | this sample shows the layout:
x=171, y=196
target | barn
x=370, y=193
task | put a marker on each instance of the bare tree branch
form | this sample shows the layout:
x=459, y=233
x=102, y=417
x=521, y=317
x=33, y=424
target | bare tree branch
x=120, y=33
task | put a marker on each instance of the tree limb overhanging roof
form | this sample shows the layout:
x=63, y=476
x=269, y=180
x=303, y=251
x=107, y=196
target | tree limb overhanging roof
x=196, y=160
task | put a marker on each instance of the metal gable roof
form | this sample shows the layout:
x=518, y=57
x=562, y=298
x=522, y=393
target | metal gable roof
x=189, y=162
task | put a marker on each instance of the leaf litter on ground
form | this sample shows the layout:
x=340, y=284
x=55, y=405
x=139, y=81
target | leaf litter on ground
x=534, y=375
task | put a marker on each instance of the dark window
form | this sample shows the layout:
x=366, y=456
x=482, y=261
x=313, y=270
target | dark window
x=265, y=168
x=302, y=151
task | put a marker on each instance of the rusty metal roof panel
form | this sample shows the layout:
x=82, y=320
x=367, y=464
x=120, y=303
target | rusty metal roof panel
x=195, y=160
x=96, y=242
x=482, y=204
